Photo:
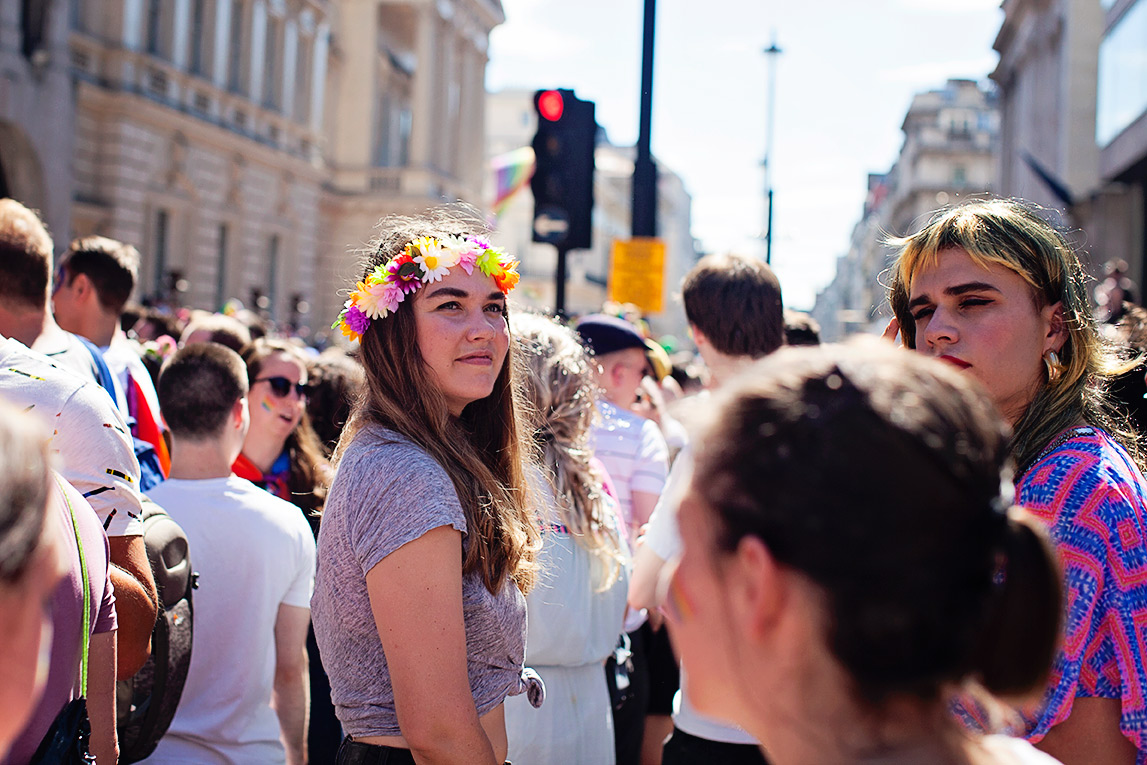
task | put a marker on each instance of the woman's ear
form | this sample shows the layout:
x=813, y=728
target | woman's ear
x=1057, y=327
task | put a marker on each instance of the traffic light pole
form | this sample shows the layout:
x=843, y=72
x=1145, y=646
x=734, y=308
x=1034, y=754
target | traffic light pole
x=644, y=218
x=560, y=282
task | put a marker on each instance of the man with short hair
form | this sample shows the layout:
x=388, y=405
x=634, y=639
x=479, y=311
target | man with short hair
x=88, y=433
x=630, y=446
x=733, y=305
x=246, y=694
x=95, y=277
x=25, y=278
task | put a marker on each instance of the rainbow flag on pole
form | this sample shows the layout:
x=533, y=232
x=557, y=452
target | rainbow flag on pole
x=512, y=171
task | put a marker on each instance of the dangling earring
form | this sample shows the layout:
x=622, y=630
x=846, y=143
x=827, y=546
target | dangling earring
x=1054, y=366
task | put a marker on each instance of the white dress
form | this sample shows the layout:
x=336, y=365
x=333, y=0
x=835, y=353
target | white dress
x=571, y=630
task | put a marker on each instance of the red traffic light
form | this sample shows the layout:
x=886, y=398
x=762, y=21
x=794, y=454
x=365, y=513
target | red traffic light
x=551, y=105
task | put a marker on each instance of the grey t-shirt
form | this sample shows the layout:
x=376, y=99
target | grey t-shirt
x=387, y=492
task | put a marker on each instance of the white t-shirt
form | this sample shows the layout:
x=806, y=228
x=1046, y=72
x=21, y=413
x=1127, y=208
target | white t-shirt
x=253, y=552
x=87, y=432
x=663, y=537
x=633, y=451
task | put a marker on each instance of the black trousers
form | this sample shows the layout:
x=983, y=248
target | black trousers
x=354, y=753
x=629, y=704
x=682, y=748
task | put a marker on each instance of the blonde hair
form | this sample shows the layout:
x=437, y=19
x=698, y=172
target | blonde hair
x=559, y=382
x=1009, y=233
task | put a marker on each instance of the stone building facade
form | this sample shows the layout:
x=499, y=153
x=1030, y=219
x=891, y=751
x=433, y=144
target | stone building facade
x=1072, y=78
x=948, y=154
x=247, y=147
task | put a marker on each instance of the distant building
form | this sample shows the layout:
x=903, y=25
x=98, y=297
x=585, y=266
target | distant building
x=511, y=123
x=37, y=111
x=1121, y=126
x=948, y=154
x=247, y=147
x=1073, y=92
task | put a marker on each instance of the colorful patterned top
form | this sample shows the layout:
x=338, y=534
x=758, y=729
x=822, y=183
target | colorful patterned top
x=1093, y=499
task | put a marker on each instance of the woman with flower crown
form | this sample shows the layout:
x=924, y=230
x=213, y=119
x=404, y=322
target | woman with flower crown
x=427, y=542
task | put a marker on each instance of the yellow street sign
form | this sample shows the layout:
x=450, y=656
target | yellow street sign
x=637, y=273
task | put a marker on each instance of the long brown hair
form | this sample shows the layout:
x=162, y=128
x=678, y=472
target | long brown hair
x=1010, y=233
x=482, y=450
x=562, y=390
x=310, y=472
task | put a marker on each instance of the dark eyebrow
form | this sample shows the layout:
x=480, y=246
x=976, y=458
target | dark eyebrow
x=454, y=292
x=448, y=292
x=957, y=289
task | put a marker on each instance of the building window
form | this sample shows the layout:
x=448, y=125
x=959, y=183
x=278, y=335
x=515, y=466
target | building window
x=1122, y=96
x=154, y=13
x=405, y=122
x=273, y=275
x=221, y=269
x=159, y=247
x=197, y=13
x=271, y=70
x=33, y=26
x=303, y=71
x=235, y=49
x=959, y=176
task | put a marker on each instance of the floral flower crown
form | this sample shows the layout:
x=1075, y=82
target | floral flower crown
x=423, y=261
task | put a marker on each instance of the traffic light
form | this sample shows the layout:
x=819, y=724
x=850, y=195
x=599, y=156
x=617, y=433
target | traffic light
x=563, y=174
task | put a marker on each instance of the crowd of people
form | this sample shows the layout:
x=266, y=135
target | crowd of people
x=467, y=533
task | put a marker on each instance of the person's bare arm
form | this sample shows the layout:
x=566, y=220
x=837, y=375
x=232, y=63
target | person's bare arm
x=101, y=697
x=647, y=566
x=290, y=695
x=137, y=602
x=416, y=596
x=643, y=504
x=1090, y=735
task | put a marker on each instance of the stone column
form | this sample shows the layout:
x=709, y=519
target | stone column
x=221, y=50
x=356, y=82
x=181, y=32
x=319, y=53
x=290, y=64
x=256, y=51
x=427, y=91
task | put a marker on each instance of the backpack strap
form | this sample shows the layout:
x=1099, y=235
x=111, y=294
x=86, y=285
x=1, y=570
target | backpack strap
x=87, y=620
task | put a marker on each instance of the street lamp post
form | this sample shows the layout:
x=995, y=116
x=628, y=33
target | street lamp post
x=772, y=52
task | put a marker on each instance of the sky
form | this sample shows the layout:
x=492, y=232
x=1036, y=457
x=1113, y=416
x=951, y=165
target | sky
x=844, y=80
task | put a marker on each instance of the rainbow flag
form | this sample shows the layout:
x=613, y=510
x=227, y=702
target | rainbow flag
x=512, y=171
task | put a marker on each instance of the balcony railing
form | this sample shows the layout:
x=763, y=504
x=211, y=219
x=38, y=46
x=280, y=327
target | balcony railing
x=150, y=77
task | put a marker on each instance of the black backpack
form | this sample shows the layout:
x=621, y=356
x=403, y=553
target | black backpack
x=146, y=703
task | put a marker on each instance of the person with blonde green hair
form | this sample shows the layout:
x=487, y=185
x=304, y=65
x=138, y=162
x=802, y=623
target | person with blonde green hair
x=992, y=288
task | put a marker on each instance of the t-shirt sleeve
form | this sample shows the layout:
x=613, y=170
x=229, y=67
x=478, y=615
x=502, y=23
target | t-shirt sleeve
x=1101, y=548
x=97, y=457
x=400, y=494
x=303, y=584
x=652, y=463
x=663, y=535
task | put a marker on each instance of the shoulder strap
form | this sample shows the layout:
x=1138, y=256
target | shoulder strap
x=87, y=619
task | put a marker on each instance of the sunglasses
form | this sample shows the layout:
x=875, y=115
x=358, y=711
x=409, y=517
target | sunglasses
x=281, y=386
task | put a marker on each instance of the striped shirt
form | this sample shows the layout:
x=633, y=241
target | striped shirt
x=634, y=452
